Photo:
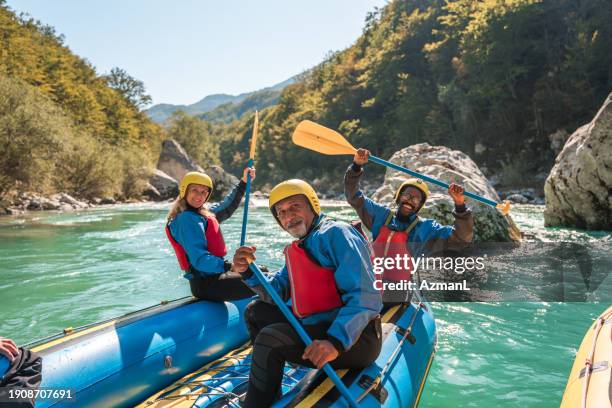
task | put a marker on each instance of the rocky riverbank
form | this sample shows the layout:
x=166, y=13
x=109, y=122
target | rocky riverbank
x=28, y=201
x=522, y=195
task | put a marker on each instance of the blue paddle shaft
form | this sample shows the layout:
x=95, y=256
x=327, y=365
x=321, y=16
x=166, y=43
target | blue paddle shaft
x=429, y=179
x=302, y=333
x=245, y=214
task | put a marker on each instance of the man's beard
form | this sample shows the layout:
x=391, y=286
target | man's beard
x=298, y=231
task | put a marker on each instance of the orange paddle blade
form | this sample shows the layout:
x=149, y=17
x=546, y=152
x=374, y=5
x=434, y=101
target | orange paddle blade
x=504, y=207
x=254, y=136
x=316, y=137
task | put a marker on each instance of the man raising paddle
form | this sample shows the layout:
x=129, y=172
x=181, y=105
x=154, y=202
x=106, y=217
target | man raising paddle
x=402, y=232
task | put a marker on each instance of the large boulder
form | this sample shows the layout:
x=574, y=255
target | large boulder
x=450, y=166
x=151, y=193
x=161, y=186
x=578, y=187
x=175, y=163
x=68, y=199
x=222, y=180
x=43, y=203
x=174, y=160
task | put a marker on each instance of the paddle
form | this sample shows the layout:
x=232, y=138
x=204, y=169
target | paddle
x=270, y=290
x=316, y=137
x=245, y=214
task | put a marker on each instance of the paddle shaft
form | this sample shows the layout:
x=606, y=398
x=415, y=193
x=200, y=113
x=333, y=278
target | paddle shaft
x=429, y=179
x=245, y=214
x=302, y=333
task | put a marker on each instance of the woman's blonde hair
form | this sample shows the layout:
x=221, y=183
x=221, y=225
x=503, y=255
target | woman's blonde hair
x=180, y=204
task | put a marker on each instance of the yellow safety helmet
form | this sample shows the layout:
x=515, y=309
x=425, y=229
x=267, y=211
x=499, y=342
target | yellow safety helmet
x=290, y=188
x=416, y=183
x=195, y=177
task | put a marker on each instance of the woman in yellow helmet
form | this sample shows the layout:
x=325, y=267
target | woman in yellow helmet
x=193, y=230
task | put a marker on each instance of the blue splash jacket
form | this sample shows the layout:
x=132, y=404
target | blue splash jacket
x=189, y=230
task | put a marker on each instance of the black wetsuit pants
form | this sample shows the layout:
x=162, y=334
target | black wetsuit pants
x=275, y=342
x=219, y=288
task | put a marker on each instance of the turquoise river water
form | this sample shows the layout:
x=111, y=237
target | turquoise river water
x=62, y=270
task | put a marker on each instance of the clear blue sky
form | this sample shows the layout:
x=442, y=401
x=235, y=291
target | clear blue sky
x=188, y=49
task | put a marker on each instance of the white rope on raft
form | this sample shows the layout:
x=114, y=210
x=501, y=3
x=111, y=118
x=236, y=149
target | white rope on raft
x=588, y=364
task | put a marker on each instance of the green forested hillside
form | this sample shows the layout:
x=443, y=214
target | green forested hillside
x=92, y=140
x=492, y=78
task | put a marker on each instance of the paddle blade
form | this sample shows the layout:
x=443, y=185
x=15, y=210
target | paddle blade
x=254, y=136
x=504, y=207
x=321, y=139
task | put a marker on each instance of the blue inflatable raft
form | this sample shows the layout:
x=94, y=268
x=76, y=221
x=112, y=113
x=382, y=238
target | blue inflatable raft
x=189, y=353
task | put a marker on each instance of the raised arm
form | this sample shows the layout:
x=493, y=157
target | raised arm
x=225, y=208
x=366, y=209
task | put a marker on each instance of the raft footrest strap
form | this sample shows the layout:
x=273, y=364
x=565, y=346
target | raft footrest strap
x=377, y=391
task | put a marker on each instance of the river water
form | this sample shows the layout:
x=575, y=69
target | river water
x=61, y=270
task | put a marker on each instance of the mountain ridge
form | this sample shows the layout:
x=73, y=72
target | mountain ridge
x=161, y=112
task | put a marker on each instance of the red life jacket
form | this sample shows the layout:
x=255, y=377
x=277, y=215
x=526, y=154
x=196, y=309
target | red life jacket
x=389, y=244
x=214, y=240
x=181, y=255
x=313, y=287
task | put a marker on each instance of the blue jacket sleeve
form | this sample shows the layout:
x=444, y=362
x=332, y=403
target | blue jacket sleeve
x=279, y=281
x=425, y=233
x=379, y=214
x=189, y=230
x=436, y=230
x=224, y=209
x=371, y=214
x=354, y=277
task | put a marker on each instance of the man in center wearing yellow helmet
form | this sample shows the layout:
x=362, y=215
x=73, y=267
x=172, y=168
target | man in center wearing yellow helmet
x=328, y=280
x=402, y=232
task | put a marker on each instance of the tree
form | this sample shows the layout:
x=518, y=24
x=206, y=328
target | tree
x=132, y=89
x=32, y=132
x=195, y=135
